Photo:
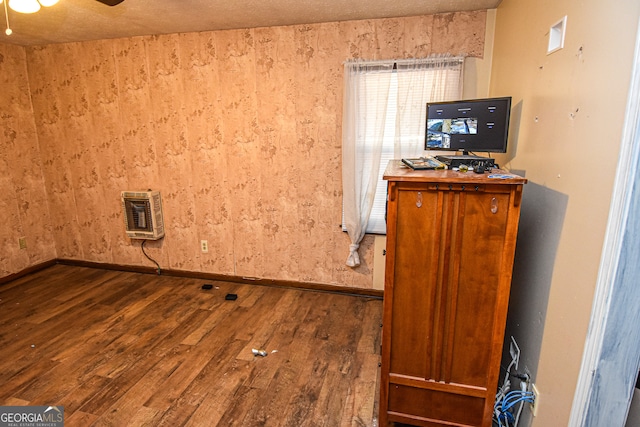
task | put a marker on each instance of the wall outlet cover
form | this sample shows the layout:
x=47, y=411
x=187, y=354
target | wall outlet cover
x=536, y=400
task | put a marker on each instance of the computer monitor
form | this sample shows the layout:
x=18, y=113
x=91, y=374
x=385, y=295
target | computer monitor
x=467, y=126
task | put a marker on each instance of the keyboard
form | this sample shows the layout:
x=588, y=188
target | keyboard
x=424, y=163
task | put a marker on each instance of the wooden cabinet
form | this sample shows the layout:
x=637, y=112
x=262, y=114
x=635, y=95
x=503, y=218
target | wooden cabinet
x=450, y=245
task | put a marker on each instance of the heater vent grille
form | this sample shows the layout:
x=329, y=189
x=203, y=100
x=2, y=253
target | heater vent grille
x=143, y=214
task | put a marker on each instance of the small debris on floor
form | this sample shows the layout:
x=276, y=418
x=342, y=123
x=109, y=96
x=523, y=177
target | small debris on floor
x=256, y=352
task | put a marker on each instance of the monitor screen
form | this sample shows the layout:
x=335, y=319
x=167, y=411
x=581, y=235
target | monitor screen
x=475, y=125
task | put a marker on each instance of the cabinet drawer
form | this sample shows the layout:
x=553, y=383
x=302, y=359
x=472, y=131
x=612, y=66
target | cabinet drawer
x=430, y=407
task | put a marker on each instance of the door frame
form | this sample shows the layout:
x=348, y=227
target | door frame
x=611, y=356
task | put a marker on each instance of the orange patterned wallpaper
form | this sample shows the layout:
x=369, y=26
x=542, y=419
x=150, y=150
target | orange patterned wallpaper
x=239, y=129
x=24, y=210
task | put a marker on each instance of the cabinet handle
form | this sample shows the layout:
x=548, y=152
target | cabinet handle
x=391, y=191
x=419, y=199
x=494, y=205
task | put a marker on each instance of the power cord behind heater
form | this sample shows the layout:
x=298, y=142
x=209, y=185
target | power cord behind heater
x=148, y=257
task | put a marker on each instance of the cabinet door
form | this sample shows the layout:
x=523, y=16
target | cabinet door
x=448, y=301
x=419, y=215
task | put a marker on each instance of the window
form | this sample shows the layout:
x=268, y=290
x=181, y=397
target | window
x=384, y=118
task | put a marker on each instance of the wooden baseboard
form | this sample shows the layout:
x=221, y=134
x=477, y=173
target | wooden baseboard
x=28, y=270
x=319, y=287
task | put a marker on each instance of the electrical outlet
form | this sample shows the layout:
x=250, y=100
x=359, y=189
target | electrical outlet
x=204, y=246
x=536, y=400
x=22, y=241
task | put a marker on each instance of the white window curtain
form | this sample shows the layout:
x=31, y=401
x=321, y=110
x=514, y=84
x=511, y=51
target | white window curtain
x=384, y=111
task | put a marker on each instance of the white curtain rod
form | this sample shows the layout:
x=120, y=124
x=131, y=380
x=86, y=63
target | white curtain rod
x=406, y=61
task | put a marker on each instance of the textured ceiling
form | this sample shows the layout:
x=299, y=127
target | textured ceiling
x=81, y=20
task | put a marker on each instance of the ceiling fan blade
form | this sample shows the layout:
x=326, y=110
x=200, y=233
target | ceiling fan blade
x=111, y=2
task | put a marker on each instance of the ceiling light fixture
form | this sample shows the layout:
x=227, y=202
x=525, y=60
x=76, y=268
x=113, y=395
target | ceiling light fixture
x=24, y=6
x=30, y=6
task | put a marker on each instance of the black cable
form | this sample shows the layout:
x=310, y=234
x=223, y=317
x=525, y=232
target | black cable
x=521, y=377
x=148, y=257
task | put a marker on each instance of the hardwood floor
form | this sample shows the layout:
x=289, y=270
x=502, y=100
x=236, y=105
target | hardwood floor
x=118, y=348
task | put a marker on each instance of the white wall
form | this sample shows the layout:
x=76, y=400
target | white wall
x=568, y=115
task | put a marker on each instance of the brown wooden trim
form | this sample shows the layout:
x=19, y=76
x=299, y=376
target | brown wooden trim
x=319, y=287
x=28, y=270
x=419, y=421
x=108, y=266
x=464, y=389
